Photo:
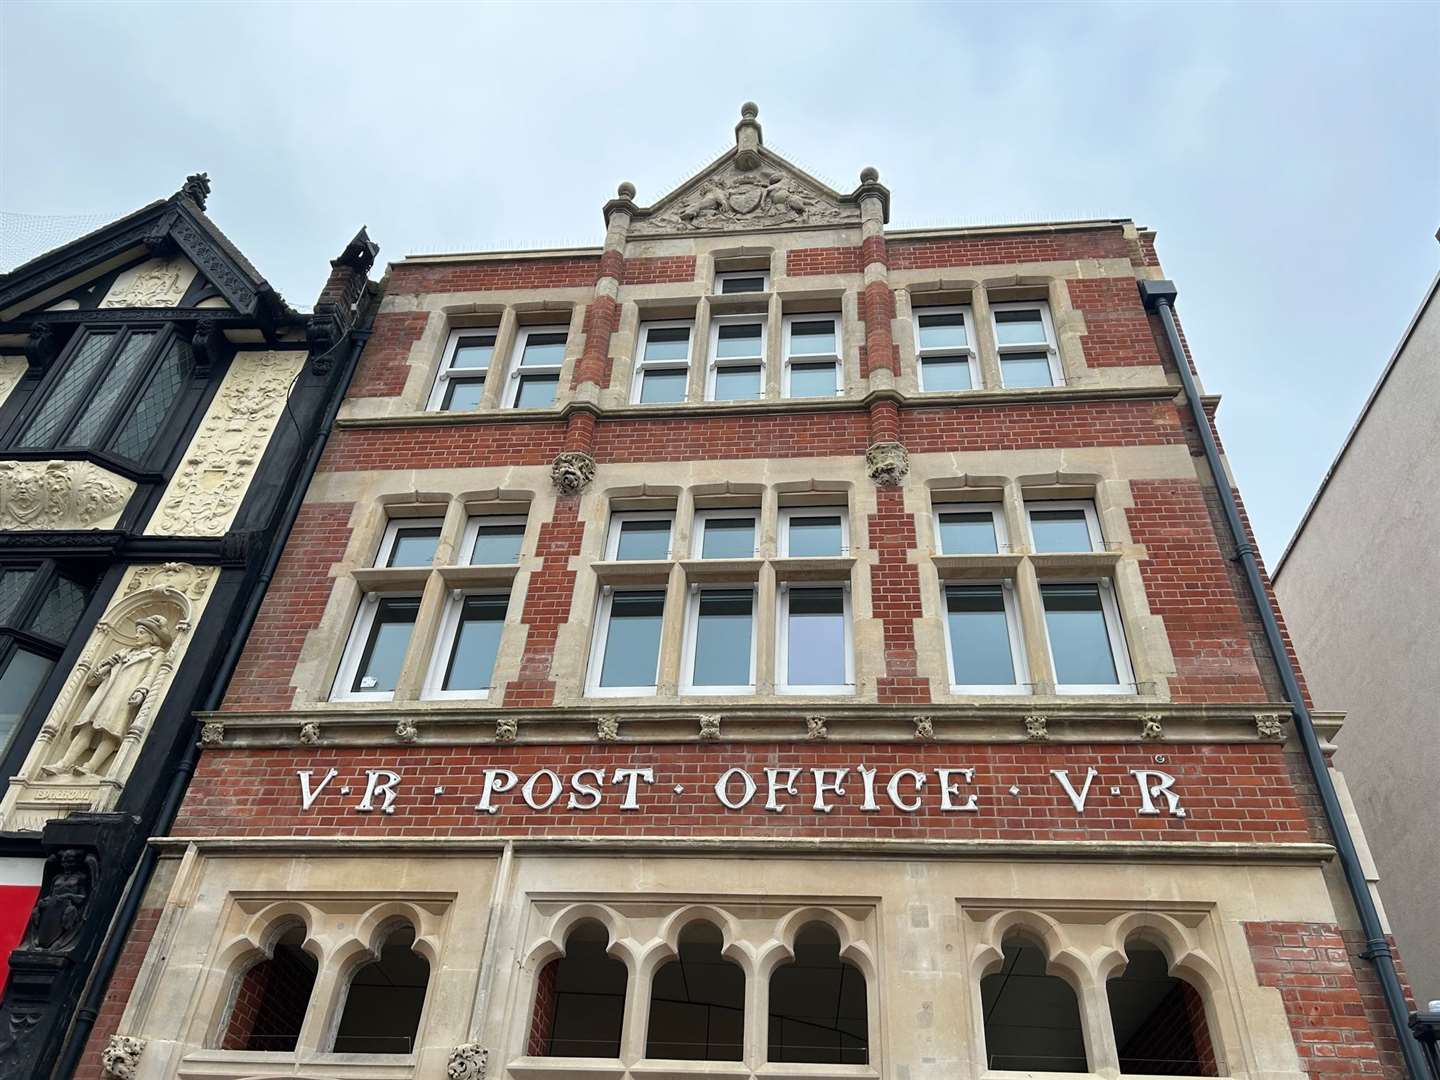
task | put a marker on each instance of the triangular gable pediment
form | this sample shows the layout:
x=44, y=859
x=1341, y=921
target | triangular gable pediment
x=146, y=259
x=726, y=197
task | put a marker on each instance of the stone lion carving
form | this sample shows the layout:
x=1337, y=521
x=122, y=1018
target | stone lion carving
x=572, y=471
x=924, y=727
x=120, y=685
x=121, y=1056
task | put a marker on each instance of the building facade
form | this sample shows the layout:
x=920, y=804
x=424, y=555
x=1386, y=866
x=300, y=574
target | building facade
x=158, y=399
x=765, y=645
x=1369, y=641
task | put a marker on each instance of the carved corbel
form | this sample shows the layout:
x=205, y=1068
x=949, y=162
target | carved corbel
x=887, y=463
x=572, y=471
x=41, y=347
x=468, y=1062
x=206, y=344
x=121, y=1057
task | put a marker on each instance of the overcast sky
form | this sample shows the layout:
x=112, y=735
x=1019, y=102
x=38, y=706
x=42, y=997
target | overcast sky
x=1287, y=154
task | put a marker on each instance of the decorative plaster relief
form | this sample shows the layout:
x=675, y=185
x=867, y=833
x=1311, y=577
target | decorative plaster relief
x=88, y=744
x=60, y=495
x=219, y=464
x=154, y=283
x=760, y=197
x=12, y=370
x=816, y=727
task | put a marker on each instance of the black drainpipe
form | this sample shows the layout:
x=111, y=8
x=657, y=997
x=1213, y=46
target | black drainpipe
x=1158, y=297
x=89, y=1010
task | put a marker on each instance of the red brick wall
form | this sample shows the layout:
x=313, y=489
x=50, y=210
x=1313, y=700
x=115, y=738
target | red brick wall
x=293, y=606
x=543, y=273
x=1117, y=330
x=661, y=269
x=383, y=368
x=801, y=262
x=532, y=442
x=1174, y=1040
x=1036, y=426
x=1007, y=248
x=1334, y=1027
x=1237, y=792
x=270, y=1004
x=1188, y=584
x=122, y=983
x=542, y=1017
x=895, y=596
x=547, y=604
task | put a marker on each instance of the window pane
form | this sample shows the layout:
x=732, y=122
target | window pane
x=737, y=383
x=474, y=353
x=379, y=667
x=968, y=533
x=663, y=387
x=812, y=338
x=667, y=343
x=815, y=535
x=74, y=381
x=1019, y=327
x=722, y=637
x=462, y=395
x=945, y=374
x=738, y=339
x=813, y=380
x=477, y=640
x=536, y=391
x=1026, y=369
x=644, y=540
x=113, y=385
x=59, y=611
x=13, y=584
x=728, y=538
x=414, y=546
x=497, y=544
x=979, y=635
x=1079, y=641
x=743, y=284
x=1060, y=530
x=943, y=331
x=632, y=642
x=22, y=678
x=544, y=349
x=137, y=434
x=815, y=645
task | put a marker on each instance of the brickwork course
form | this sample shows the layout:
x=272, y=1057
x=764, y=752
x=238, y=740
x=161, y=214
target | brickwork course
x=901, y=805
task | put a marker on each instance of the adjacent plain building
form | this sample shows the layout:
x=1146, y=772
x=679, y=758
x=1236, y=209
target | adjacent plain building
x=1371, y=642
x=765, y=644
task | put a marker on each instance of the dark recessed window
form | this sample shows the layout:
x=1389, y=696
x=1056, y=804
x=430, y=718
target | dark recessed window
x=39, y=610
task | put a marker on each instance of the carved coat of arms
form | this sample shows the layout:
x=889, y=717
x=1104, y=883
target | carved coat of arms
x=754, y=198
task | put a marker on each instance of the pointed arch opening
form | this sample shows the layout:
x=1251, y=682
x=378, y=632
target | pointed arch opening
x=580, y=999
x=1159, y=1019
x=272, y=998
x=819, y=1011
x=1032, y=1018
x=697, y=1001
x=385, y=999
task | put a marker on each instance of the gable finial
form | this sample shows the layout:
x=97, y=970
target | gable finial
x=748, y=139
x=197, y=188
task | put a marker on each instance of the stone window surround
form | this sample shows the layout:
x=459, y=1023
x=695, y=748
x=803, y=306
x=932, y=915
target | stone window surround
x=789, y=296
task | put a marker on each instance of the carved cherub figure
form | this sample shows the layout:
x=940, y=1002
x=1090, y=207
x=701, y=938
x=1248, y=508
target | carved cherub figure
x=122, y=682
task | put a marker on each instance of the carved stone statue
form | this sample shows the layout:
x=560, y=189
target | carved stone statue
x=70, y=877
x=121, y=683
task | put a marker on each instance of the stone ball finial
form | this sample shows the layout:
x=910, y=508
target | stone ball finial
x=869, y=174
x=749, y=111
x=626, y=190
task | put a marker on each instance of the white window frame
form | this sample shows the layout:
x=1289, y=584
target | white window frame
x=517, y=352
x=997, y=518
x=642, y=365
x=1115, y=631
x=392, y=533
x=792, y=357
x=723, y=276
x=620, y=518
x=1092, y=520
x=472, y=532
x=434, y=688
x=692, y=626
x=355, y=647
x=446, y=372
x=702, y=519
x=601, y=636
x=1016, y=633
x=782, y=637
x=1048, y=346
x=716, y=362
x=788, y=512
x=972, y=358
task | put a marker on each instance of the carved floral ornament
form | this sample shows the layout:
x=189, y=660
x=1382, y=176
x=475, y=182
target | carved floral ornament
x=121, y=1057
x=572, y=471
x=60, y=495
x=468, y=1062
